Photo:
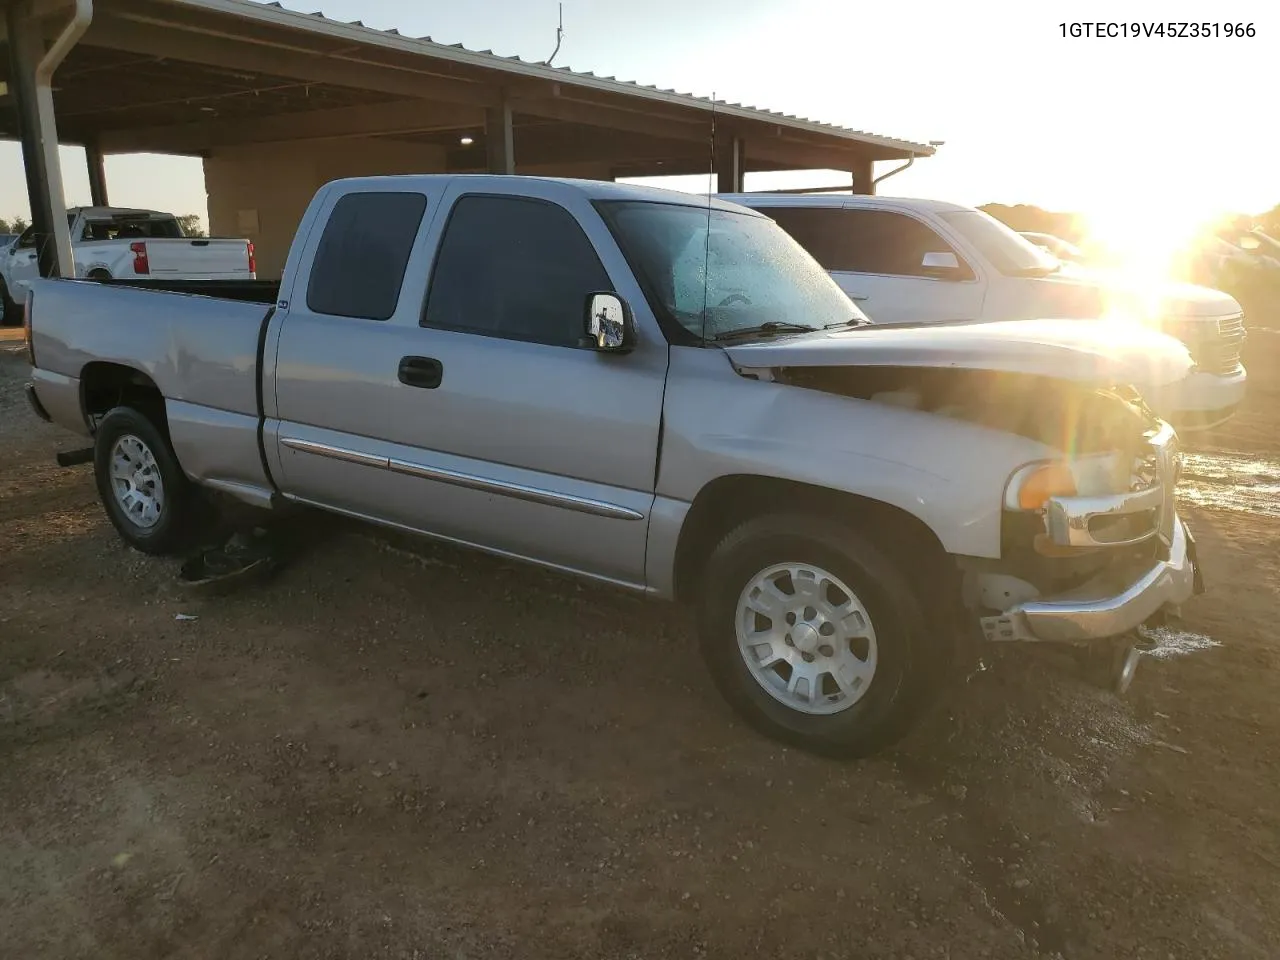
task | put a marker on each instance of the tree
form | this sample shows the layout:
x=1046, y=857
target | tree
x=16, y=225
x=191, y=225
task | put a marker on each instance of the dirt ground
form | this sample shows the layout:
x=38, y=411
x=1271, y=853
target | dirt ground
x=428, y=754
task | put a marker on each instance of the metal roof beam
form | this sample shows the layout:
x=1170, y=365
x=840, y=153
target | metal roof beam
x=394, y=118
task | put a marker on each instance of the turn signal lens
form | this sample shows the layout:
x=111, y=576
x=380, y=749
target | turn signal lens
x=1051, y=480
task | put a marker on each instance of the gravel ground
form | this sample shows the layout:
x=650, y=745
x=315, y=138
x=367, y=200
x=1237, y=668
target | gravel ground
x=426, y=753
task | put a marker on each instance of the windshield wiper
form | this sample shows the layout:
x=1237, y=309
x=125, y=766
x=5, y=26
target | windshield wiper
x=854, y=322
x=769, y=326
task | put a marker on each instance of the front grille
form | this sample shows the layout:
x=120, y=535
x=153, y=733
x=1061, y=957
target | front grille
x=1220, y=355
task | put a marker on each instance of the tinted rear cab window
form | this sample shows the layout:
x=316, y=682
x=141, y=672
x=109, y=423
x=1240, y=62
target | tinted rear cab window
x=360, y=262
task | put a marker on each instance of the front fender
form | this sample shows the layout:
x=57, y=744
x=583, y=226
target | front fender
x=949, y=474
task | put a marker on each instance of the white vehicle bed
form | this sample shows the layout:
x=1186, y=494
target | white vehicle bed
x=112, y=243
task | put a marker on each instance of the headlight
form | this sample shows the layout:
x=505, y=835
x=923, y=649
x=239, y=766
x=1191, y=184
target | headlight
x=1034, y=485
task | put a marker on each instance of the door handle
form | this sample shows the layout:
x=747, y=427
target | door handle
x=425, y=372
x=855, y=298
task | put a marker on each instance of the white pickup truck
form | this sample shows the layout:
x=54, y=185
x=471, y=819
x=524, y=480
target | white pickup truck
x=113, y=243
x=538, y=368
x=924, y=261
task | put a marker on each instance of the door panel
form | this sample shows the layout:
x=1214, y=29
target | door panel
x=541, y=451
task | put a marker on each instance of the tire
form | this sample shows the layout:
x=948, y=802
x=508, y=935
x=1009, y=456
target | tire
x=166, y=524
x=12, y=311
x=838, y=721
x=98, y=275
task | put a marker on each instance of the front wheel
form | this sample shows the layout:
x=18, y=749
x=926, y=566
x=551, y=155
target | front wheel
x=149, y=500
x=814, y=636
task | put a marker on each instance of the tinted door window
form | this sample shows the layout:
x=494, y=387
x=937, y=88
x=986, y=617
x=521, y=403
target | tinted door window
x=360, y=262
x=866, y=241
x=516, y=268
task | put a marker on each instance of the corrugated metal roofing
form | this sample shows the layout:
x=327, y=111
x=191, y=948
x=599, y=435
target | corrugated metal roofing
x=428, y=47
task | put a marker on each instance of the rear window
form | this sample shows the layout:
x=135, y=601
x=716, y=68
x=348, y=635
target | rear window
x=360, y=263
x=131, y=228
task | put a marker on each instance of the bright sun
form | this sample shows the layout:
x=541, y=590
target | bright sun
x=1150, y=240
x=1149, y=244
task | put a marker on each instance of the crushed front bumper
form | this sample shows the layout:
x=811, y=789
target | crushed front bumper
x=1113, y=603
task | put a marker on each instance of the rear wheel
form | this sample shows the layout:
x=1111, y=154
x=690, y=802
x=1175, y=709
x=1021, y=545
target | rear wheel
x=149, y=500
x=814, y=636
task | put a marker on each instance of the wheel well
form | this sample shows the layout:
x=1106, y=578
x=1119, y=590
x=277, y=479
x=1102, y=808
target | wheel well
x=99, y=273
x=728, y=501
x=107, y=385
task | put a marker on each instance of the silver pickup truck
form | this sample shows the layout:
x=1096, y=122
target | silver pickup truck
x=659, y=392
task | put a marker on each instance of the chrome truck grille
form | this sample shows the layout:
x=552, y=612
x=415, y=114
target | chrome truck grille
x=1147, y=509
x=1159, y=469
x=1220, y=355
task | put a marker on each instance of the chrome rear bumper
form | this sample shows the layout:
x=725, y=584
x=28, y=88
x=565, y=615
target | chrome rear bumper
x=1111, y=604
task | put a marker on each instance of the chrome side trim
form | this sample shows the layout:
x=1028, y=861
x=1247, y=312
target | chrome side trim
x=481, y=548
x=517, y=491
x=335, y=453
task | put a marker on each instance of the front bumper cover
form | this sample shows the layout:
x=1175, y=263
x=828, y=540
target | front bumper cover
x=1113, y=603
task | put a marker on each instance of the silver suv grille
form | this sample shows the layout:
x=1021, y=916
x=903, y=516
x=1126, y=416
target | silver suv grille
x=1221, y=354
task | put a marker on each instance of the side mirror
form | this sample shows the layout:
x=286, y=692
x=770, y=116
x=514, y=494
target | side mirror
x=609, y=324
x=936, y=262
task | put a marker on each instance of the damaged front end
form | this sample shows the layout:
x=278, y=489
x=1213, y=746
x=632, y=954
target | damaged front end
x=1107, y=561
x=1092, y=546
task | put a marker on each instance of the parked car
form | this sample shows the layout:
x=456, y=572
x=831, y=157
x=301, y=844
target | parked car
x=114, y=243
x=1064, y=250
x=927, y=260
x=659, y=393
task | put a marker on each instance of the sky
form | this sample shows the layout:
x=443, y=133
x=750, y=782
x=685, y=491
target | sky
x=1158, y=131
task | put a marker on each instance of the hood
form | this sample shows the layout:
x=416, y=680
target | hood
x=1097, y=292
x=1086, y=351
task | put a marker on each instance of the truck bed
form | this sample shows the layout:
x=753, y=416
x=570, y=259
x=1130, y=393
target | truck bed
x=248, y=291
x=201, y=352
